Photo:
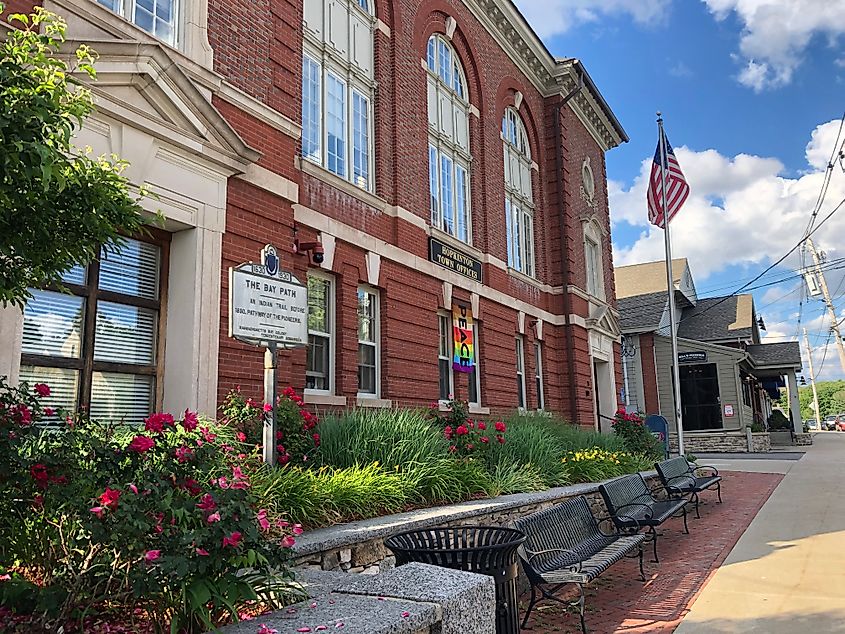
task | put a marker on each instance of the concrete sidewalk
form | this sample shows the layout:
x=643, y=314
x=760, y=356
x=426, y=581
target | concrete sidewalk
x=787, y=572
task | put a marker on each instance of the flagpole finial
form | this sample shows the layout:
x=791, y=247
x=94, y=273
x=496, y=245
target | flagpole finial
x=659, y=117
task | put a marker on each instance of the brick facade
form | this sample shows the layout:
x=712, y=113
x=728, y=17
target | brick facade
x=262, y=56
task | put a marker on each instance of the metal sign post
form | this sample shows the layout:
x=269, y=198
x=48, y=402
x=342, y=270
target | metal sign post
x=269, y=308
x=270, y=383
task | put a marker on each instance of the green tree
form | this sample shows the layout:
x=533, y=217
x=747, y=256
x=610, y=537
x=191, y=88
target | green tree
x=58, y=204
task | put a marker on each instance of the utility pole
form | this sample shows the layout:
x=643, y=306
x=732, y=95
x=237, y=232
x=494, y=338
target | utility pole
x=834, y=321
x=813, y=380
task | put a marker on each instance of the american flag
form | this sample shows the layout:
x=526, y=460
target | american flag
x=677, y=188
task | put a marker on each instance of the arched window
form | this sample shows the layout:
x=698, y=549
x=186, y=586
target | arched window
x=448, y=141
x=338, y=86
x=519, y=198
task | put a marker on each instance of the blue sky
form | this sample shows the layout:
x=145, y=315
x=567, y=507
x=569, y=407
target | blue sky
x=752, y=92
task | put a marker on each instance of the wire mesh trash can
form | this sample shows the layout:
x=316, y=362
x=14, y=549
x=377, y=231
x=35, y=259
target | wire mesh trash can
x=486, y=550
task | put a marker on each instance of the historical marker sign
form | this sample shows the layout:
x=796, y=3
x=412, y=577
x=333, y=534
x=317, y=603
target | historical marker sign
x=266, y=305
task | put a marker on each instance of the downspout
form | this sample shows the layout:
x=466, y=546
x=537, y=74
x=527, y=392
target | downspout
x=564, y=257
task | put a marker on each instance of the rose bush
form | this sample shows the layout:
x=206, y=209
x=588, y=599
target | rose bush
x=160, y=520
x=296, y=435
x=638, y=439
x=467, y=437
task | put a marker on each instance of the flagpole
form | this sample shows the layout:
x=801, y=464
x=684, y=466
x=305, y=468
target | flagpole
x=670, y=285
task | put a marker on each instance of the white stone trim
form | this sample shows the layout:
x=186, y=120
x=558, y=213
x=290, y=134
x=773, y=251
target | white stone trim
x=538, y=329
x=270, y=181
x=324, y=399
x=396, y=211
x=473, y=110
x=476, y=410
x=377, y=403
x=328, y=241
x=517, y=99
x=451, y=26
x=321, y=222
x=520, y=322
x=373, y=261
x=384, y=28
x=447, y=296
x=474, y=301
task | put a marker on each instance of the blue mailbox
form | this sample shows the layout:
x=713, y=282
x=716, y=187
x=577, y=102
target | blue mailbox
x=659, y=428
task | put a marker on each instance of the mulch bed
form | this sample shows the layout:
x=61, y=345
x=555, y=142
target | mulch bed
x=619, y=602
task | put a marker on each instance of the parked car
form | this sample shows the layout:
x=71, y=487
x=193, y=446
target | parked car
x=811, y=425
x=840, y=422
x=829, y=422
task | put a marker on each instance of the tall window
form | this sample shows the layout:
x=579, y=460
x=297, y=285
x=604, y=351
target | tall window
x=159, y=17
x=593, y=261
x=475, y=375
x=519, y=198
x=97, y=347
x=538, y=375
x=369, y=352
x=444, y=358
x=337, y=87
x=520, y=371
x=319, y=371
x=448, y=137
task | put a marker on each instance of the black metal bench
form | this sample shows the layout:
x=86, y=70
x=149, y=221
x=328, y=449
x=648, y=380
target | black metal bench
x=680, y=477
x=565, y=545
x=633, y=507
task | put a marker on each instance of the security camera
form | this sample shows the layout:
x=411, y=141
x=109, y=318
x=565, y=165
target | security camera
x=315, y=249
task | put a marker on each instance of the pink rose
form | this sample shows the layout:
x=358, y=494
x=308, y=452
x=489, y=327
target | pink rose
x=152, y=555
x=268, y=407
x=214, y=517
x=288, y=541
x=500, y=427
x=133, y=488
x=99, y=511
x=233, y=540
x=202, y=552
x=461, y=430
x=189, y=421
x=141, y=444
x=49, y=411
x=42, y=389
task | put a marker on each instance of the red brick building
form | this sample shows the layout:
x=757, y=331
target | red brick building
x=437, y=151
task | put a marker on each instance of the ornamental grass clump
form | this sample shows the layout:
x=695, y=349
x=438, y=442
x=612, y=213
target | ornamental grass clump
x=158, y=524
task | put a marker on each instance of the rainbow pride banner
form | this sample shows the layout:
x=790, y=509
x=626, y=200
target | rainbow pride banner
x=464, y=356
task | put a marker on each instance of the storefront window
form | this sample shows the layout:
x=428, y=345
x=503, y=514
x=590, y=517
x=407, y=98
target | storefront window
x=96, y=345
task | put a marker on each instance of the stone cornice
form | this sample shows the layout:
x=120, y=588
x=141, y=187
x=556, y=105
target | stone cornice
x=551, y=76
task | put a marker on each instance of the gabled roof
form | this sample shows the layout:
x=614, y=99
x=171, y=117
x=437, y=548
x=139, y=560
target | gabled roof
x=787, y=353
x=642, y=313
x=719, y=319
x=647, y=278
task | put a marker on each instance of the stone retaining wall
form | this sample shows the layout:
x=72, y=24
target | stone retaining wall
x=802, y=440
x=358, y=547
x=721, y=442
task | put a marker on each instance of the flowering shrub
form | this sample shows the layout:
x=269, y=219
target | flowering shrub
x=467, y=437
x=296, y=434
x=638, y=439
x=596, y=464
x=160, y=519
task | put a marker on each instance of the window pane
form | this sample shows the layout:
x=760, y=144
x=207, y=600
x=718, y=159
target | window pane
x=366, y=316
x=445, y=350
x=157, y=17
x=528, y=239
x=517, y=237
x=318, y=304
x=444, y=58
x=114, y=5
x=433, y=187
x=520, y=391
x=366, y=368
x=317, y=363
x=446, y=195
x=52, y=325
x=445, y=368
x=133, y=270
x=473, y=387
x=461, y=207
x=336, y=125
x=431, y=57
x=310, y=109
x=63, y=384
x=74, y=275
x=125, y=334
x=360, y=140
x=121, y=397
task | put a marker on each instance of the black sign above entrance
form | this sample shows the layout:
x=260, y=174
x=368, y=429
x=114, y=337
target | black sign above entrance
x=451, y=258
x=692, y=357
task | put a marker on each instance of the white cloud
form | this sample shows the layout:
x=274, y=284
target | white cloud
x=777, y=32
x=553, y=17
x=741, y=211
x=679, y=69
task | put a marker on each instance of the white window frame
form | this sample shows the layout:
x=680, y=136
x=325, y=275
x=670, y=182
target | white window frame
x=520, y=373
x=443, y=145
x=593, y=261
x=126, y=10
x=376, y=335
x=356, y=80
x=519, y=194
x=476, y=375
x=538, y=375
x=331, y=335
x=446, y=335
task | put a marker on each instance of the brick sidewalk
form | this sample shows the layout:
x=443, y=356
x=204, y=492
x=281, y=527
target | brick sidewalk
x=620, y=602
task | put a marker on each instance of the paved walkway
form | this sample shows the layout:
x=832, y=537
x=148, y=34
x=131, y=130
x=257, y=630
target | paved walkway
x=787, y=572
x=620, y=602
